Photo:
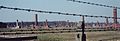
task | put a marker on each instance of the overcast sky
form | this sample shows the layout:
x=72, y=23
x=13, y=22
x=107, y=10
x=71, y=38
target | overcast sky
x=56, y=5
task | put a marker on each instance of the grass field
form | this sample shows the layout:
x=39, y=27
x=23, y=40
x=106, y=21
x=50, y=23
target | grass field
x=91, y=36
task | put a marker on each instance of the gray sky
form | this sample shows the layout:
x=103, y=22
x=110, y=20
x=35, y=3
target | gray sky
x=55, y=5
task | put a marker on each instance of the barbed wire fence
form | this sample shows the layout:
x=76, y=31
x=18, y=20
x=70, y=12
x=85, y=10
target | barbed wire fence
x=52, y=12
x=83, y=37
x=62, y=13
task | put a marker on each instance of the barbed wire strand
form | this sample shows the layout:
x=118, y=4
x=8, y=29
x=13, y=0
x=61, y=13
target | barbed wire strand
x=90, y=3
x=51, y=12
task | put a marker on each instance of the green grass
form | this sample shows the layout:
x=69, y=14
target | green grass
x=56, y=37
x=50, y=37
x=91, y=36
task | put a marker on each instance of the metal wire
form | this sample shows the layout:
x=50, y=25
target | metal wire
x=90, y=3
x=51, y=12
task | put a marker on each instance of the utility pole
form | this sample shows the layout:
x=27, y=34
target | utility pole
x=83, y=29
x=107, y=23
x=36, y=21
